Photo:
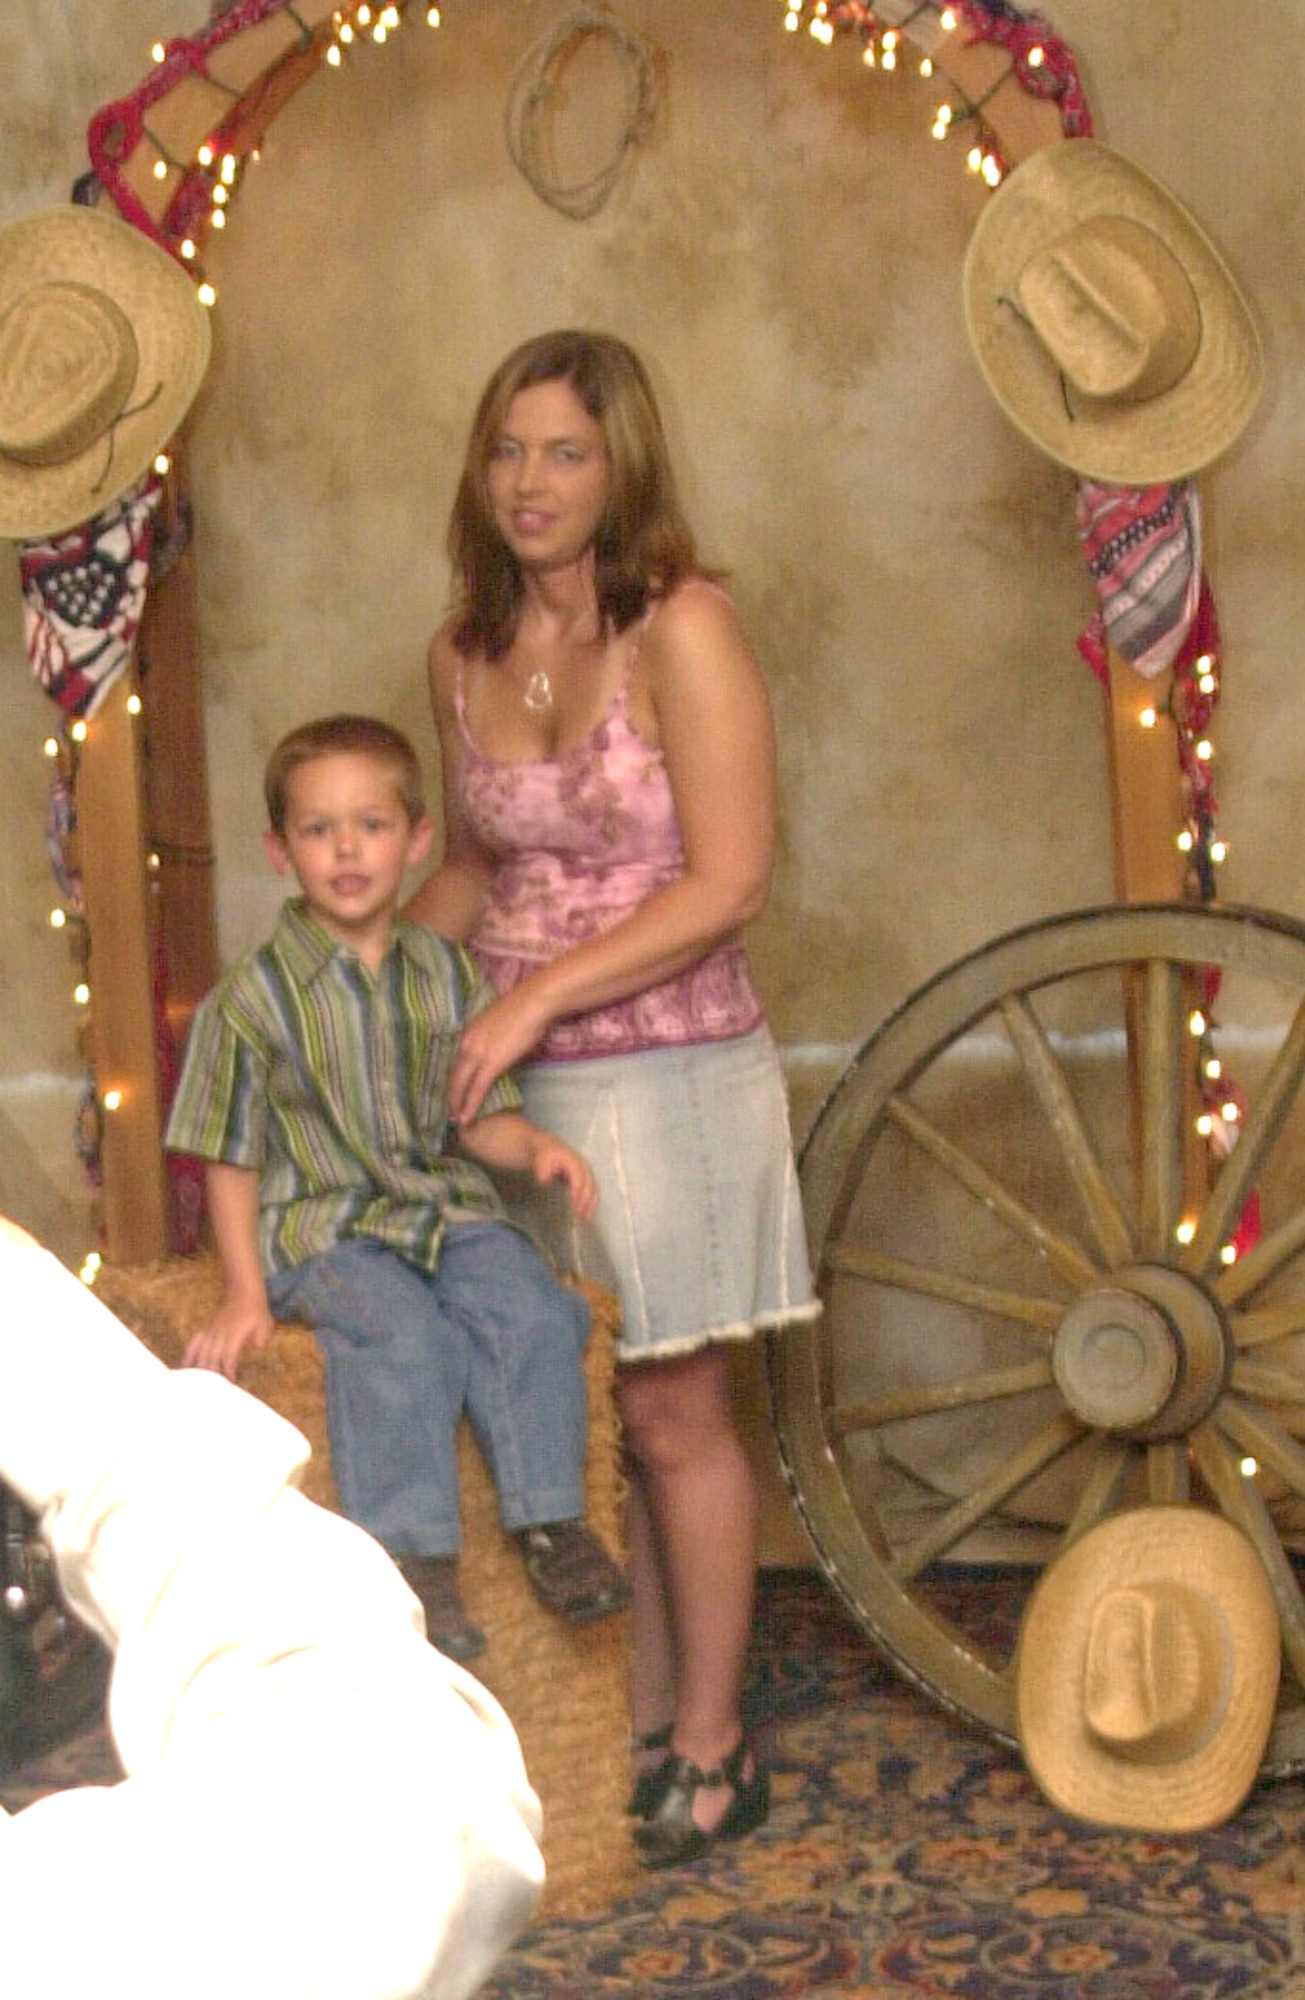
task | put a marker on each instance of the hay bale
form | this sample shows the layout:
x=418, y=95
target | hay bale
x=564, y=1687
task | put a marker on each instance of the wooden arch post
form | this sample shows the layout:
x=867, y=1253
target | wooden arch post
x=143, y=801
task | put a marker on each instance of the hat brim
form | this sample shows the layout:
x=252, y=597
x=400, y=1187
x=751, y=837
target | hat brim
x=1080, y=1774
x=173, y=338
x=1143, y=444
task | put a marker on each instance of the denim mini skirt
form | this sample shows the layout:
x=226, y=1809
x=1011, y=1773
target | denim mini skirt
x=699, y=1225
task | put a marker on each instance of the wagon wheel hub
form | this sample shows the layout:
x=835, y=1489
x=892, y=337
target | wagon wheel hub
x=1145, y=1356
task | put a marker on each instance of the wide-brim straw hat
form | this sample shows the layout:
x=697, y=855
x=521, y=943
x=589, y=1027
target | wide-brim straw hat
x=1147, y=1672
x=103, y=344
x=1105, y=322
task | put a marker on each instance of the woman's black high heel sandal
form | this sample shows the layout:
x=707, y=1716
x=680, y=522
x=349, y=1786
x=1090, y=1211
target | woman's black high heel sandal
x=650, y=1784
x=670, y=1835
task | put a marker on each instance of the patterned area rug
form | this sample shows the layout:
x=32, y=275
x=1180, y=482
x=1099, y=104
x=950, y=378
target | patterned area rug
x=908, y=1858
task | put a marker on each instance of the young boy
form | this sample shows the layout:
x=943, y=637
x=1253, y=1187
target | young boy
x=315, y=1087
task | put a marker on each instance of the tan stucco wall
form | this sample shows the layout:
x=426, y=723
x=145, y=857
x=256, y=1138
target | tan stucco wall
x=786, y=252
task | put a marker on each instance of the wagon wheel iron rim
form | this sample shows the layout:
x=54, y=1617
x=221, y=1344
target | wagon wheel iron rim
x=1017, y=1340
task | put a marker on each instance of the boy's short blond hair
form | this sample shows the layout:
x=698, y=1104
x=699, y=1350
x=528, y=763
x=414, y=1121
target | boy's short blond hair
x=342, y=736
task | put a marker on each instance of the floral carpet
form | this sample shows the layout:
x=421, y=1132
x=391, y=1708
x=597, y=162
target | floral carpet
x=907, y=1857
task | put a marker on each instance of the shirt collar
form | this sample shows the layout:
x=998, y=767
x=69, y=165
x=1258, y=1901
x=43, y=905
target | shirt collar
x=307, y=947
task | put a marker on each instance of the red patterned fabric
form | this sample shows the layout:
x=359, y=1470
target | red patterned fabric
x=83, y=597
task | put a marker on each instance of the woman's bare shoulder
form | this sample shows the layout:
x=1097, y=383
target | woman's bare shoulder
x=444, y=662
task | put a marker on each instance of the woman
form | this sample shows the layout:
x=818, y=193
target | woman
x=609, y=796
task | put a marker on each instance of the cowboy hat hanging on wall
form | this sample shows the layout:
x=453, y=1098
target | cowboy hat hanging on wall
x=1105, y=322
x=1147, y=1672
x=103, y=344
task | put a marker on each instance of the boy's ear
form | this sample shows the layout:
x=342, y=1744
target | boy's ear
x=277, y=852
x=420, y=839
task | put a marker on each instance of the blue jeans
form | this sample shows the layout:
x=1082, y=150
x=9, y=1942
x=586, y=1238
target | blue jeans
x=490, y=1332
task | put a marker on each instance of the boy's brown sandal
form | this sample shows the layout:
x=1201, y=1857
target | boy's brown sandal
x=434, y=1581
x=571, y=1572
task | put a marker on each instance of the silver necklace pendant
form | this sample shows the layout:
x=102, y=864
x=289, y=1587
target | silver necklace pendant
x=537, y=693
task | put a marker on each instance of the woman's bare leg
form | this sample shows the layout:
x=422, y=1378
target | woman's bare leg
x=701, y=1508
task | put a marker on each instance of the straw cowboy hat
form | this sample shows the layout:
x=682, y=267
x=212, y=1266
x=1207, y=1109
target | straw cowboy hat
x=1147, y=1672
x=1104, y=320
x=103, y=343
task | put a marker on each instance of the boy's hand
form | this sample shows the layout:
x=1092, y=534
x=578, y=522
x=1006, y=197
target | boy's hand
x=233, y=1327
x=554, y=1161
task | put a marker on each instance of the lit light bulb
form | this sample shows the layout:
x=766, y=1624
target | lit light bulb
x=1205, y=1124
x=1185, y=842
x=187, y=248
x=206, y=294
x=82, y=993
x=974, y=159
x=50, y=747
x=163, y=465
x=90, y=1267
x=1147, y=718
x=134, y=704
x=160, y=170
x=433, y=18
x=1231, y=1112
x=58, y=918
x=1036, y=57
x=1218, y=851
x=1228, y=1254
x=158, y=53
x=1205, y=749
x=1186, y=1230
x=78, y=731
x=1248, y=1467
x=1214, y=1069
x=991, y=170
x=947, y=20
x=333, y=56
x=218, y=219
x=205, y=155
x=228, y=168
x=113, y=1100
x=1206, y=683
x=220, y=196
x=1196, y=1022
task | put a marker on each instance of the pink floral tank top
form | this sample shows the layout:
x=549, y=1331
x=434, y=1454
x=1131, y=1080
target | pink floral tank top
x=580, y=840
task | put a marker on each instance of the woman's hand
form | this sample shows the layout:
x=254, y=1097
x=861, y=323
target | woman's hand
x=494, y=1041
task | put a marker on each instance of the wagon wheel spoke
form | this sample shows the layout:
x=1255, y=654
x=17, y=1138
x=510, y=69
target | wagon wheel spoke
x=1167, y=1480
x=1044, y=1072
x=1064, y=1255
x=1257, y=1433
x=929, y=1283
x=929, y=1398
x=1163, y=1039
x=1257, y=1329
x=1269, y=1256
x=1244, y=1506
x=1244, y=1164
x=1101, y=1489
x=1266, y=1384
x=959, y=1520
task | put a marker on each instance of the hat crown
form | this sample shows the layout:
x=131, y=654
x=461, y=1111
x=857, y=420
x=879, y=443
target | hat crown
x=1157, y=1670
x=68, y=360
x=1114, y=309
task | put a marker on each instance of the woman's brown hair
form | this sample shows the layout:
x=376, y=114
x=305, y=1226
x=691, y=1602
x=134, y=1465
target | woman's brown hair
x=643, y=546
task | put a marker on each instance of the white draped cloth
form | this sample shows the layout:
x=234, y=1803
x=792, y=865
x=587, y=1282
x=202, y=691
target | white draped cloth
x=317, y=1804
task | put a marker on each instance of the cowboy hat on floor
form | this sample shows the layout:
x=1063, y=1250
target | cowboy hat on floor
x=103, y=344
x=1147, y=1672
x=1105, y=322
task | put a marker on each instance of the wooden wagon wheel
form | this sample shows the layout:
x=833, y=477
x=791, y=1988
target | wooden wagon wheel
x=1032, y=1325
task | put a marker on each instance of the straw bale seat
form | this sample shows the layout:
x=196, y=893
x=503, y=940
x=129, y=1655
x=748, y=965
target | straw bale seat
x=563, y=1686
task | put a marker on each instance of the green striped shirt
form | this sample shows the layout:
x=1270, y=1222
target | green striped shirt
x=333, y=1086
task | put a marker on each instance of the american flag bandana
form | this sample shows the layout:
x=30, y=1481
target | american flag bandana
x=1143, y=549
x=83, y=596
